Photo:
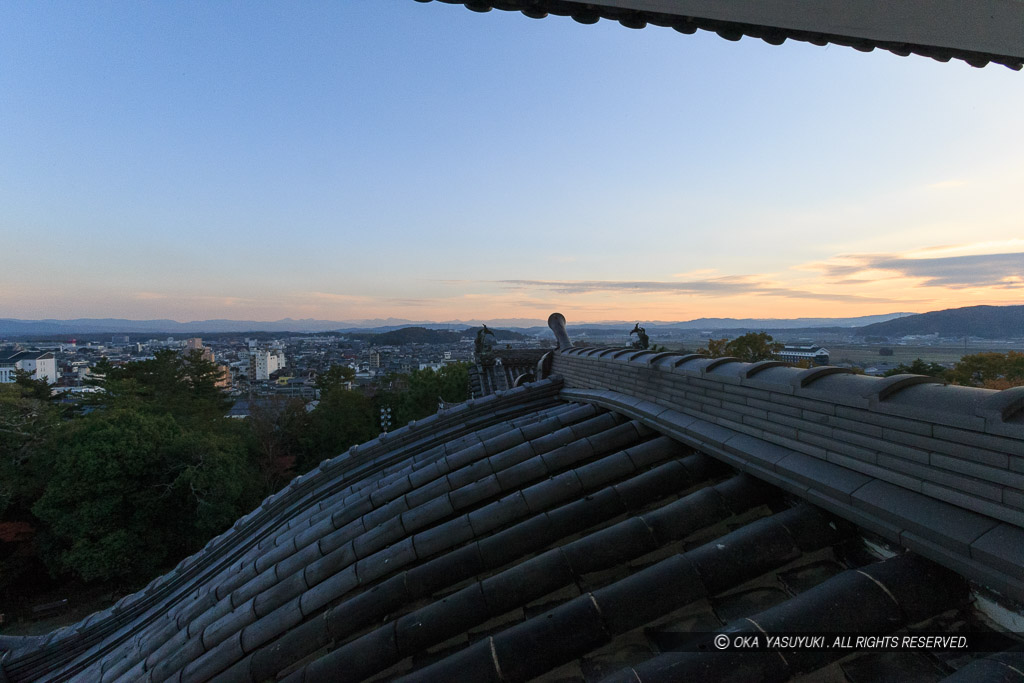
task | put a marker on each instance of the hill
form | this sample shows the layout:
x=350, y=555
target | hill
x=988, y=322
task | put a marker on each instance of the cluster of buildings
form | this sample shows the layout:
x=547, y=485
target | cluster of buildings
x=249, y=367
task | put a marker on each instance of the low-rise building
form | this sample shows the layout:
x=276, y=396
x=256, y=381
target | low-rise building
x=39, y=364
x=796, y=354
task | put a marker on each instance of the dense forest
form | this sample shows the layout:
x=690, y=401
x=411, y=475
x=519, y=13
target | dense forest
x=121, y=488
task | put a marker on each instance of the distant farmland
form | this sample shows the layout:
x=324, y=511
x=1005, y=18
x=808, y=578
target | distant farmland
x=866, y=356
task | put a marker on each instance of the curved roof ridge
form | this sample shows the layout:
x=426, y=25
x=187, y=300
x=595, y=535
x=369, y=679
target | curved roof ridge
x=150, y=603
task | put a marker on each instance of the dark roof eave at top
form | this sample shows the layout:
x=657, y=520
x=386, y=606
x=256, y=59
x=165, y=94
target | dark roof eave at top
x=589, y=13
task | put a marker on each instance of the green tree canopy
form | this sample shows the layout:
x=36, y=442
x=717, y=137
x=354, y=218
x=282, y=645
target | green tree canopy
x=753, y=347
x=32, y=388
x=148, y=476
x=130, y=490
x=26, y=425
x=427, y=387
x=715, y=348
x=750, y=347
x=342, y=419
x=918, y=367
x=278, y=431
x=992, y=370
x=335, y=378
x=182, y=385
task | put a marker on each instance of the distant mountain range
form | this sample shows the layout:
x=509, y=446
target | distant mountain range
x=748, y=323
x=992, y=322
x=989, y=322
x=422, y=335
x=13, y=327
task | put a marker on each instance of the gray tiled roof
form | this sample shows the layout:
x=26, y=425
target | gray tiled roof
x=15, y=356
x=537, y=531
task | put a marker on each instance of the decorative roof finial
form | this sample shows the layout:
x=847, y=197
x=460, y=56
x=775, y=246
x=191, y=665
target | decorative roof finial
x=482, y=346
x=556, y=321
x=642, y=340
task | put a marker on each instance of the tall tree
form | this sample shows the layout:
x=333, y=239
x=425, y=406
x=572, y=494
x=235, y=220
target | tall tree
x=32, y=388
x=716, y=348
x=27, y=423
x=278, y=430
x=184, y=386
x=334, y=378
x=753, y=346
x=427, y=388
x=341, y=419
x=750, y=347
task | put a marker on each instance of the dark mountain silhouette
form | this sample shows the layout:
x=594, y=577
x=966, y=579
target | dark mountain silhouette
x=989, y=322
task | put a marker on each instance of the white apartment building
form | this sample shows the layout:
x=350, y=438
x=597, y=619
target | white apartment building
x=40, y=364
x=263, y=363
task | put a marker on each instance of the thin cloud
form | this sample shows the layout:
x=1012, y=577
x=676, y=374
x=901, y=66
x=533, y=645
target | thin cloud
x=411, y=302
x=947, y=184
x=333, y=296
x=971, y=249
x=1001, y=271
x=724, y=286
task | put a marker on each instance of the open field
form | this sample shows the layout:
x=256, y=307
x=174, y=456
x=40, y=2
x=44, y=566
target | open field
x=866, y=356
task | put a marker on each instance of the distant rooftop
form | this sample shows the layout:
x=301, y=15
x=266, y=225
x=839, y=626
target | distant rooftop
x=15, y=356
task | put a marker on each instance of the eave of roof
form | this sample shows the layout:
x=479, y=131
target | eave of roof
x=689, y=16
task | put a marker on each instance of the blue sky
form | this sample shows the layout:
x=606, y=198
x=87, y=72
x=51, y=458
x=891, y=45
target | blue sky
x=375, y=158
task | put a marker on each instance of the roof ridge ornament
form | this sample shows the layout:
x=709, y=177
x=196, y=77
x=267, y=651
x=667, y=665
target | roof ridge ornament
x=483, y=348
x=556, y=321
x=642, y=340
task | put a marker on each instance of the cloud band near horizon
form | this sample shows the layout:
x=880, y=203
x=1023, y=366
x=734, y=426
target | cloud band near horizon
x=725, y=286
x=1004, y=270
